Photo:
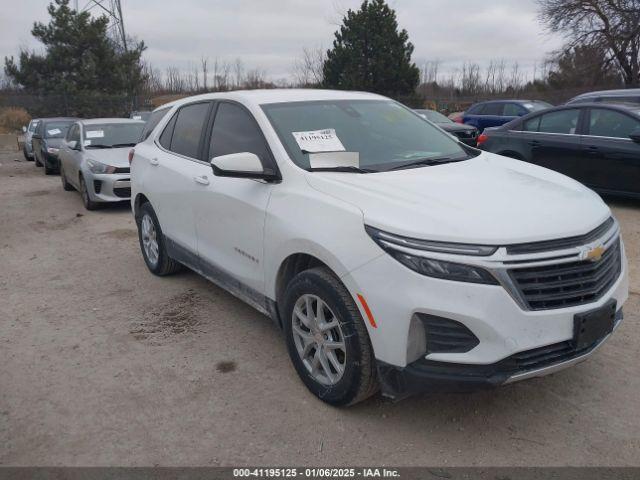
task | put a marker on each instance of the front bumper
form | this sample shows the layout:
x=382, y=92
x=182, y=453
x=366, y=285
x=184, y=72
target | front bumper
x=424, y=376
x=113, y=187
x=501, y=323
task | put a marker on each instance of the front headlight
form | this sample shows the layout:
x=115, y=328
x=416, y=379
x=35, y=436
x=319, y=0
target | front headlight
x=52, y=151
x=395, y=245
x=97, y=167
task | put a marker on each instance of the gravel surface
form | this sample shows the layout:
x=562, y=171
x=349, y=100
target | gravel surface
x=101, y=363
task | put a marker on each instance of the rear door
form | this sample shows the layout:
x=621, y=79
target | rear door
x=230, y=212
x=555, y=143
x=612, y=159
x=173, y=173
x=71, y=158
x=492, y=115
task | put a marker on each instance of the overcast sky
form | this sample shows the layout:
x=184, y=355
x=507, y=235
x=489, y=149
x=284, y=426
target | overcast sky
x=270, y=34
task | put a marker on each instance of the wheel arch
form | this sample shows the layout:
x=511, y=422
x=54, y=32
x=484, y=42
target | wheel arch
x=141, y=199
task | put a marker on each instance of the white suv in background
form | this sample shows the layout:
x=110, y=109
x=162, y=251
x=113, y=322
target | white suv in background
x=391, y=255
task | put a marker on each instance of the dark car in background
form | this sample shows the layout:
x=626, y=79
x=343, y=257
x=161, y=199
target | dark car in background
x=46, y=142
x=596, y=144
x=466, y=133
x=498, y=112
x=630, y=95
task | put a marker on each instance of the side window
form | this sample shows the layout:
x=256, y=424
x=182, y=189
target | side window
x=513, y=110
x=188, y=128
x=563, y=121
x=75, y=135
x=493, y=109
x=154, y=119
x=532, y=125
x=609, y=123
x=476, y=109
x=167, y=133
x=234, y=131
x=70, y=133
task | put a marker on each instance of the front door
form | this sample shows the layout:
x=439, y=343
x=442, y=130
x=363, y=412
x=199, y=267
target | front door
x=230, y=212
x=612, y=159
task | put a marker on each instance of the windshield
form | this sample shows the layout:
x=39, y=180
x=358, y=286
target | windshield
x=110, y=134
x=383, y=133
x=433, y=116
x=56, y=129
x=33, y=125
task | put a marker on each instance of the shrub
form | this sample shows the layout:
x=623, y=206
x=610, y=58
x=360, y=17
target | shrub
x=12, y=119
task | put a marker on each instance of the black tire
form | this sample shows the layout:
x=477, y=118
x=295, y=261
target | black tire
x=47, y=169
x=37, y=162
x=84, y=193
x=26, y=155
x=65, y=184
x=165, y=265
x=359, y=380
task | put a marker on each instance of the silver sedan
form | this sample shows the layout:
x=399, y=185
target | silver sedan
x=94, y=159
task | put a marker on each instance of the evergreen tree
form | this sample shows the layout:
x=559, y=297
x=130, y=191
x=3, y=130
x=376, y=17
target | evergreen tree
x=78, y=57
x=369, y=53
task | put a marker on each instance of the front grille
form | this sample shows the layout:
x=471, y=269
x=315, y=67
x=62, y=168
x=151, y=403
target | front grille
x=122, y=192
x=447, y=336
x=567, y=284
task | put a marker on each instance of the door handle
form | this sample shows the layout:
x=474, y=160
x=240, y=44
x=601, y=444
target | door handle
x=534, y=143
x=154, y=162
x=201, y=179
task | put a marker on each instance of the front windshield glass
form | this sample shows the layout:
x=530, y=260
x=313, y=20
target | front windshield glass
x=109, y=135
x=385, y=134
x=56, y=129
x=435, y=117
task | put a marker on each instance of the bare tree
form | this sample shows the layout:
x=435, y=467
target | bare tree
x=613, y=25
x=238, y=71
x=307, y=70
x=204, y=64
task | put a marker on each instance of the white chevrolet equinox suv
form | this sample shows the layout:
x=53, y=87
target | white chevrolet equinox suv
x=392, y=256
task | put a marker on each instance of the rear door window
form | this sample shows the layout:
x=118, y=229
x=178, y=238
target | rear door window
x=609, y=123
x=513, y=110
x=493, y=109
x=476, y=109
x=563, y=121
x=187, y=132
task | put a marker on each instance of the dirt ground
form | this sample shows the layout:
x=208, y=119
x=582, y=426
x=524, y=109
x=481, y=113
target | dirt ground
x=101, y=363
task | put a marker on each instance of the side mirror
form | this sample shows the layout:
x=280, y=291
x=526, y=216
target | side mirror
x=635, y=135
x=24, y=129
x=241, y=165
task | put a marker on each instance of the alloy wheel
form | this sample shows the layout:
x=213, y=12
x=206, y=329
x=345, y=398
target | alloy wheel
x=149, y=239
x=319, y=339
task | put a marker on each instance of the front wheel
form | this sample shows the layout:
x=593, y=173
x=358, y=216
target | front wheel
x=327, y=340
x=86, y=198
x=65, y=183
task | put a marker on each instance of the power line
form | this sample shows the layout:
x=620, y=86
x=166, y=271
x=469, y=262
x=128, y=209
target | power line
x=113, y=10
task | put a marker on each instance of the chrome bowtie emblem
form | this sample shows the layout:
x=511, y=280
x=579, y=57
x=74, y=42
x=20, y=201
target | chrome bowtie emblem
x=593, y=254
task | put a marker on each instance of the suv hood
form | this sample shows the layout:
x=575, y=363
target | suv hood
x=117, y=157
x=489, y=200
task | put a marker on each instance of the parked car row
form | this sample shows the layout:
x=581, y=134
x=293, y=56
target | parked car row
x=358, y=226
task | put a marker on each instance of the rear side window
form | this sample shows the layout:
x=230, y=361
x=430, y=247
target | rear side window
x=493, y=109
x=563, y=121
x=189, y=123
x=609, y=123
x=153, y=121
x=621, y=99
x=235, y=131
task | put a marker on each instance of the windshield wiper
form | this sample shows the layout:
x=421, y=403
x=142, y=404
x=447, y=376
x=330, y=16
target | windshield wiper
x=116, y=145
x=345, y=168
x=427, y=162
x=98, y=146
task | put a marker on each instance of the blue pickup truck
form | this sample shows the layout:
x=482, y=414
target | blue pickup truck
x=498, y=112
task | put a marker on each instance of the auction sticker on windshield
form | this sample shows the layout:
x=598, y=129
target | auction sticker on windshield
x=95, y=134
x=54, y=131
x=319, y=141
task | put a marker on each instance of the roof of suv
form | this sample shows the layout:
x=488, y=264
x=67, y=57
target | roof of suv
x=610, y=93
x=101, y=121
x=277, y=95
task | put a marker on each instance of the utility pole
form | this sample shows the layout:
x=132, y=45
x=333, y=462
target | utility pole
x=113, y=10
